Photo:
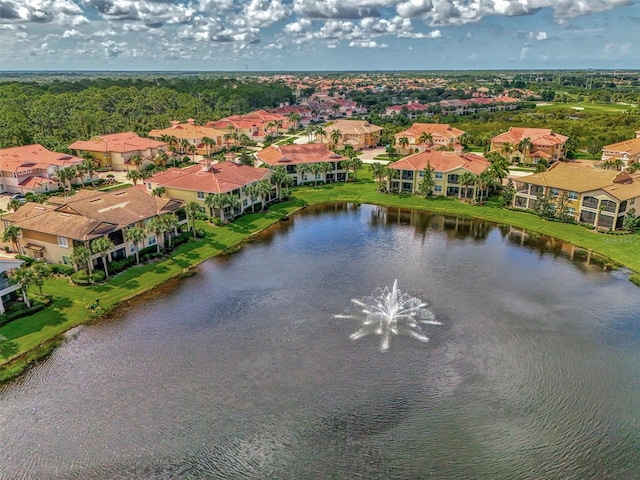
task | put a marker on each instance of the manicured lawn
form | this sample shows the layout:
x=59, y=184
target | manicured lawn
x=588, y=107
x=69, y=308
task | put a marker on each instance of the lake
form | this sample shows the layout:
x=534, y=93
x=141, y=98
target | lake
x=243, y=371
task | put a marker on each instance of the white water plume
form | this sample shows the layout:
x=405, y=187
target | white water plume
x=391, y=312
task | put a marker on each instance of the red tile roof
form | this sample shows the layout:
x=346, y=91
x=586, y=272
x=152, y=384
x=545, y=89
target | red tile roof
x=221, y=177
x=442, y=130
x=117, y=142
x=538, y=136
x=297, y=154
x=33, y=156
x=442, y=161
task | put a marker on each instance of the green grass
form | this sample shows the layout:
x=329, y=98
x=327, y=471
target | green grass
x=30, y=337
x=588, y=107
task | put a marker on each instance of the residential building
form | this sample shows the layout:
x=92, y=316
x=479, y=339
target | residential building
x=306, y=115
x=447, y=168
x=32, y=169
x=115, y=151
x=6, y=288
x=292, y=156
x=594, y=196
x=530, y=145
x=51, y=231
x=255, y=125
x=196, y=183
x=413, y=110
x=423, y=136
x=178, y=132
x=628, y=151
x=359, y=134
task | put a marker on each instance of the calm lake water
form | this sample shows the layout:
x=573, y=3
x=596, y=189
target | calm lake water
x=243, y=372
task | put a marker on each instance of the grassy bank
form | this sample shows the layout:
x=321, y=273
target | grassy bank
x=69, y=308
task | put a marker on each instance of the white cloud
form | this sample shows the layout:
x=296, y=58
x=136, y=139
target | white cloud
x=524, y=52
x=617, y=48
x=538, y=36
x=367, y=44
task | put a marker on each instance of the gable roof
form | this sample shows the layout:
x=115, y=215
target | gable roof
x=442, y=161
x=297, y=154
x=442, y=130
x=221, y=177
x=538, y=136
x=91, y=214
x=631, y=146
x=34, y=156
x=188, y=131
x=117, y=142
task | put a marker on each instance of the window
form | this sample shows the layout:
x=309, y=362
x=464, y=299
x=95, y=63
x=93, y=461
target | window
x=421, y=174
x=149, y=186
x=245, y=202
x=201, y=195
x=132, y=248
x=65, y=260
x=62, y=241
x=571, y=211
x=554, y=192
x=573, y=195
x=152, y=240
x=438, y=176
x=437, y=188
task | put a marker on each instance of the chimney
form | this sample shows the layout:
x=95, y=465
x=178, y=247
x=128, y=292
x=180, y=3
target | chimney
x=205, y=164
x=175, y=123
x=638, y=134
x=191, y=121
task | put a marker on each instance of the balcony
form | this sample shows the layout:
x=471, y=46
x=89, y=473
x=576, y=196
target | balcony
x=590, y=202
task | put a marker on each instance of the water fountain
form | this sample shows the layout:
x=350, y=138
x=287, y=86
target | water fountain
x=391, y=312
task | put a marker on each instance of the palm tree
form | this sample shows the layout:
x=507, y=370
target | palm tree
x=320, y=132
x=64, y=175
x=157, y=227
x=499, y=167
x=14, y=204
x=379, y=171
x=336, y=108
x=135, y=176
x=192, y=208
x=103, y=246
x=137, y=236
x=324, y=168
x=233, y=202
x=79, y=172
x=294, y=118
x=81, y=256
x=507, y=148
x=264, y=189
x=40, y=272
x=464, y=180
x=301, y=169
x=525, y=147
x=192, y=149
x=161, y=158
x=11, y=233
x=404, y=142
x=281, y=178
x=137, y=161
x=251, y=191
x=425, y=138
x=347, y=165
x=88, y=162
x=171, y=225
x=174, y=153
x=158, y=191
x=208, y=142
x=485, y=182
x=184, y=144
x=336, y=135
x=634, y=167
x=25, y=277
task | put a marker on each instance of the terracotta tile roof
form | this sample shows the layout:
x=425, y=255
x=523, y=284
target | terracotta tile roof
x=443, y=161
x=442, y=130
x=631, y=146
x=573, y=176
x=117, y=142
x=352, y=127
x=259, y=118
x=34, y=156
x=538, y=136
x=34, y=182
x=91, y=214
x=221, y=177
x=188, y=131
x=624, y=187
x=297, y=154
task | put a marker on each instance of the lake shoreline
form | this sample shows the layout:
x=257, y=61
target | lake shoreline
x=238, y=233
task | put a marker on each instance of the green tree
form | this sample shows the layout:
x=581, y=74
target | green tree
x=192, y=208
x=403, y=142
x=525, y=146
x=41, y=271
x=11, y=233
x=427, y=184
x=157, y=227
x=171, y=225
x=464, y=180
x=158, y=191
x=89, y=165
x=508, y=192
x=281, y=179
x=630, y=221
x=25, y=277
x=379, y=171
x=137, y=161
x=102, y=246
x=135, y=176
x=137, y=236
x=336, y=135
x=251, y=191
x=301, y=169
x=81, y=256
x=14, y=204
x=425, y=138
x=65, y=175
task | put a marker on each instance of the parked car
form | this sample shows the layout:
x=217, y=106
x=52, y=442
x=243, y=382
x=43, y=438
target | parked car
x=19, y=197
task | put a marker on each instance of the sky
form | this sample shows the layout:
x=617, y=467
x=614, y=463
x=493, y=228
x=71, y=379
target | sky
x=318, y=35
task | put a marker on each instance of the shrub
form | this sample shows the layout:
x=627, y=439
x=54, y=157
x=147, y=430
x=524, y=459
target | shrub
x=147, y=251
x=61, y=269
x=27, y=259
x=118, y=266
x=97, y=276
x=80, y=278
x=635, y=279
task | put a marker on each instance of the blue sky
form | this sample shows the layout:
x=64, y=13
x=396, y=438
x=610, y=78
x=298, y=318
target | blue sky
x=261, y=35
